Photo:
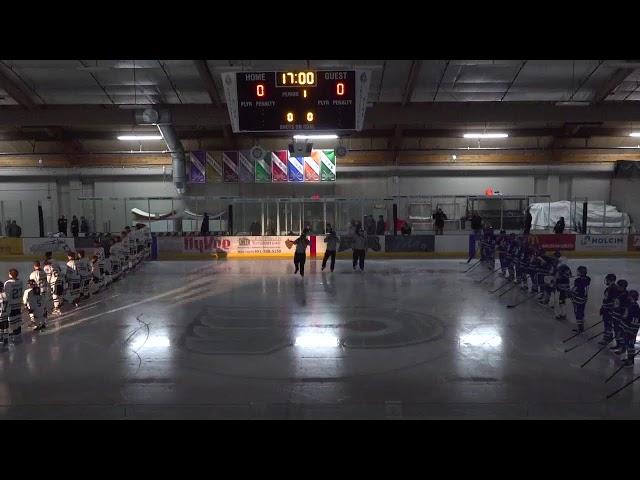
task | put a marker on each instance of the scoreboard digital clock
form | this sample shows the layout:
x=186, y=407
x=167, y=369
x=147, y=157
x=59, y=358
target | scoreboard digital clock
x=294, y=101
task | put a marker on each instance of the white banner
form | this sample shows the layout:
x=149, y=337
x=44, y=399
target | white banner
x=612, y=243
x=231, y=246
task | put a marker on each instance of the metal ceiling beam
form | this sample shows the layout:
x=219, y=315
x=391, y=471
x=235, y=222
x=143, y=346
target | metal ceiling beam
x=380, y=116
x=209, y=82
x=611, y=84
x=411, y=81
x=14, y=90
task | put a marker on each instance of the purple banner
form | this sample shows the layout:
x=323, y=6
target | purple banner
x=230, y=166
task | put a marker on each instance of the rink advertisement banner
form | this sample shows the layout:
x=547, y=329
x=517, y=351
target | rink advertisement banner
x=196, y=168
x=263, y=169
x=634, y=243
x=246, y=167
x=610, y=243
x=563, y=241
x=409, y=243
x=213, y=167
x=226, y=246
x=38, y=246
x=230, y=167
x=279, y=166
x=296, y=169
x=375, y=243
x=10, y=246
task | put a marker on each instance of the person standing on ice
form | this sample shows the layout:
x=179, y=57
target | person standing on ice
x=359, y=248
x=332, y=245
x=579, y=296
x=300, y=255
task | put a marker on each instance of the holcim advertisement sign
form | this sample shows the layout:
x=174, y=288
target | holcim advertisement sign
x=601, y=242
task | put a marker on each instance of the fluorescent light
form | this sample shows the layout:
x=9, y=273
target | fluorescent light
x=330, y=136
x=634, y=134
x=139, y=137
x=315, y=340
x=573, y=103
x=486, y=135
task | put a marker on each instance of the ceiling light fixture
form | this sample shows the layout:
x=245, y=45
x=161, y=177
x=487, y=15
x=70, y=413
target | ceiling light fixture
x=329, y=136
x=139, y=137
x=634, y=134
x=486, y=135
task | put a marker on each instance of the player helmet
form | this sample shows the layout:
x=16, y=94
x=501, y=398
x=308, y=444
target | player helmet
x=610, y=278
x=622, y=283
x=633, y=294
x=557, y=254
x=582, y=270
x=564, y=269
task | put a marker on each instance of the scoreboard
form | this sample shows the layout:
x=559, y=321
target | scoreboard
x=296, y=101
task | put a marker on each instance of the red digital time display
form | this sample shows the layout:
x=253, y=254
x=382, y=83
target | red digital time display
x=304, y=100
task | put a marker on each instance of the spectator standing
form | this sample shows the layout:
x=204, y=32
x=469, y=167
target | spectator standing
x=439, y=218
x=528, y=219
x=84, y=226
x=559, y=228
x=61, y=224
x=65, y=226
x=74, y=226
x=406, y=228
x=204, y=228
x=380, y=225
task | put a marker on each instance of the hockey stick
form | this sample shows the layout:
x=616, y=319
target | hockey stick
x=474, y=266
x=487, y=276
x=595, y=354
x=500, y=287
x=614, y=373
x=529, y=297
x=508, y=289
x=573, y=336
x=623, y=387
x=583, y=343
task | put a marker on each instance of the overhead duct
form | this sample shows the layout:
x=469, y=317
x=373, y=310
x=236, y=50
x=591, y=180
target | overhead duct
x=177, y=155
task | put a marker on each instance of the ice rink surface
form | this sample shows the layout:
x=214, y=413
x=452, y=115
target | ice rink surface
x=251, y=340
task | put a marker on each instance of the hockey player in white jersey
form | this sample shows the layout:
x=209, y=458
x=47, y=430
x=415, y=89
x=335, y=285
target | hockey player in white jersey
x=40, y=277
x=13, y=289
x=84, y=270
x=4, y=323
x=72, y=279
x=97, y=274
x=108, y=269
x=56, y=284
x=35, y=303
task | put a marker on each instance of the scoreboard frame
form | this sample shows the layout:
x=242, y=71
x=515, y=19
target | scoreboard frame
x=279, y=104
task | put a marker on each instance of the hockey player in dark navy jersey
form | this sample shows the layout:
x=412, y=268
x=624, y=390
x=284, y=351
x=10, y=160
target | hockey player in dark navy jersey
x=608, y=300
x=563, y=285
x=579, y=296
x=619, y=306
x=630, y=323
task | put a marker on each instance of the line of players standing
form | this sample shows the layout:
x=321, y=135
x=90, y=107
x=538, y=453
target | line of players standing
x=521, y=260
x=49, y=287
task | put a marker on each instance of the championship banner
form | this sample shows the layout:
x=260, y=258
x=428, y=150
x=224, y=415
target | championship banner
x=213, y=167
x=327, y=160
x=196, y=167
x=10, y=246
x=230, y=167
x=245, y=168
x=296, y=169
x=312, y=167
x=263, y=169
x=279, y=165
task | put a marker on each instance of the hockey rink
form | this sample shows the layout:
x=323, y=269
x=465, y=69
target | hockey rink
x=248, y=339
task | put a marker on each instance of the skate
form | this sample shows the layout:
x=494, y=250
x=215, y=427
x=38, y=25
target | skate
x=40, y=327
x=561, y=317
x=619, y=351
x=579, y=329
x=604, y=341
x=296, y=271
x=628, y=362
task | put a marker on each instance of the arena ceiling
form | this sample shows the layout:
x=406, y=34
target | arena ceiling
x=82, y=101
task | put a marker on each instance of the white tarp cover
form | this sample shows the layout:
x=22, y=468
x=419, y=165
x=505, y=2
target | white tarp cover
x=601, y=218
